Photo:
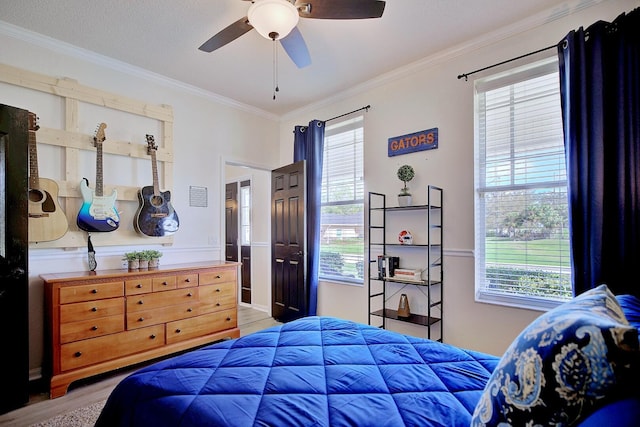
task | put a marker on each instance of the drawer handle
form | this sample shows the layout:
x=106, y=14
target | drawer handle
x=141, y=319
x=189, y=309
x=139, y=286
x=218, y=290
x=218, y=277
x=94, y=328
x=94, y=309
x=189, y=294
x=164, y=283
x=178, y=331
x=217, y=304
x=228, y=319
x=94, y=291
x=141, y=302
x=187, y=280
x=153, y=337
x=78, y=354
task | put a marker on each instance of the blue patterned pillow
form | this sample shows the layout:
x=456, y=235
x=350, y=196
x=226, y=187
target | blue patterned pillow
x=563, y=366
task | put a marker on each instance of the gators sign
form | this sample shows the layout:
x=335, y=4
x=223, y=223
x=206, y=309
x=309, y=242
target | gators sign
x=419, y=141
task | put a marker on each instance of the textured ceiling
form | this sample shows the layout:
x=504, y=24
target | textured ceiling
x=163, y=36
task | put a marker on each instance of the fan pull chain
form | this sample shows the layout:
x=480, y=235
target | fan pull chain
x=275, y=69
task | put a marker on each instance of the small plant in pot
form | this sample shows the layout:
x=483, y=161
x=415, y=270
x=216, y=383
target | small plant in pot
x=153, y=256
x=143, y=260
x=405, y=174
x=132, y=259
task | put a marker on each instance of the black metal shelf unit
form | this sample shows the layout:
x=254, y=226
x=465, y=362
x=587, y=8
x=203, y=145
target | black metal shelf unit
x=431, y=280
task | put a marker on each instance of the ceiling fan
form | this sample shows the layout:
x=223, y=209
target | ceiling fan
x=278, y=20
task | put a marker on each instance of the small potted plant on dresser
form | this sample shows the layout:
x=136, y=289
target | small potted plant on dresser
x=132, y=259
x=405, y=174
x=154, y=257
x=143, y=260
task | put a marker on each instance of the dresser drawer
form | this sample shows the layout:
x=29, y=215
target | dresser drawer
x=141, y=319
x=163, y=283
x=91, y=309
x=137, y=286
x=206, y=324
x=91, y=292
x=187, y=280
x=87, y=352
x=217, y=297
x=92, y=328
x=161, y=299
x=219, y=276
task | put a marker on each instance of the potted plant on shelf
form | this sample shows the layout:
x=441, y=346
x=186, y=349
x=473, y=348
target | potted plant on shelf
x=154, y=257
x=405, y=174
x=132, y=260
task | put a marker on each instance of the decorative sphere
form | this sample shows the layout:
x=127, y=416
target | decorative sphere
x=406, y=173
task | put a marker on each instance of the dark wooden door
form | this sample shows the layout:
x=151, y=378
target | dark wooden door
x=289, y=294
x=14, y=305
x=231, y=221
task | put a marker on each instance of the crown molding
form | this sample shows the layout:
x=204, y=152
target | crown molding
x=558, y=12
x=68, y=49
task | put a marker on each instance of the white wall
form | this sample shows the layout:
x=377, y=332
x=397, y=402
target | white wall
x=206, y=130
x=425, y=96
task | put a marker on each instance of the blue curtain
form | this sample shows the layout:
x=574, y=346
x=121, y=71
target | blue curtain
x=600, y=96
x=308, y=144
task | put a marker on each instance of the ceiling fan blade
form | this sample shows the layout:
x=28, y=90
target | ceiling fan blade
x=227, y=35
x=296, y=48
x=340, y=9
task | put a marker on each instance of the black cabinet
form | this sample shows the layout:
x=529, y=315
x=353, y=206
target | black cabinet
x=405, y=254
x=14, y=309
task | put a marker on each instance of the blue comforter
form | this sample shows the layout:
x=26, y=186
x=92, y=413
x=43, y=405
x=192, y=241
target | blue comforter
x=316, y=371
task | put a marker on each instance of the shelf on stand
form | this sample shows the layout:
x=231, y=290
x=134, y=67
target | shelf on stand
x=417, y=319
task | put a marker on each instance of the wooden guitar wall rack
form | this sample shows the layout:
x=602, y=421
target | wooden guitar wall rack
x=72, y=142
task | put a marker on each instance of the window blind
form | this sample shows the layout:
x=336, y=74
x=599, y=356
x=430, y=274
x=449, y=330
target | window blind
x=342, y=198
x=522, y=239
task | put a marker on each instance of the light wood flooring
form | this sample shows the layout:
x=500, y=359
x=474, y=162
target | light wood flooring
x=85, y=392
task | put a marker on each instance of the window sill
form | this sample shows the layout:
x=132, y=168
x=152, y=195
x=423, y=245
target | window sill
x=518, y=301
x=340, y=281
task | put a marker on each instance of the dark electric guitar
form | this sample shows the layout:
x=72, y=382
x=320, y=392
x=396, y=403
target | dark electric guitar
x=46, y=220
x=98, y=212
x=155, y=216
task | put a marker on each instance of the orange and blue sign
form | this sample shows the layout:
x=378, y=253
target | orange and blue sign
x=418, y=141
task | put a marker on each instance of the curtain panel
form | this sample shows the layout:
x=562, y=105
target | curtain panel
x=600, y=96
x=308, y=145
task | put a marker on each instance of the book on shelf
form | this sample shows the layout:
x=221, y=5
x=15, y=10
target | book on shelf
x=407, y=274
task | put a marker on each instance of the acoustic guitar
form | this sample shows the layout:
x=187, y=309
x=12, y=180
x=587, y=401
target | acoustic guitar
x=98, y=212
x=47, y=221
x=155, y=216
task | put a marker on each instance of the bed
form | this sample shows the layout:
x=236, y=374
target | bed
x=575, y=365
x=316, y=371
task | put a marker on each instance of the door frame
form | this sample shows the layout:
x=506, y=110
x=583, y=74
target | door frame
x=238, y=181
x=224, y=180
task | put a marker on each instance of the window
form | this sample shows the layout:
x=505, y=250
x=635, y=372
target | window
x=245, y=213
x=521, y=212
x=342, y=209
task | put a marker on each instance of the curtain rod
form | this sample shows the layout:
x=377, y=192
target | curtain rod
x=350, y=112
x=466, y=75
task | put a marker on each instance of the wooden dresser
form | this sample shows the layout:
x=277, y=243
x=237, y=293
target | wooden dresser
x=104, y=320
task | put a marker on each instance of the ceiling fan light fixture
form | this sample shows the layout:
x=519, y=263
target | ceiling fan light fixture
x=273, y=19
